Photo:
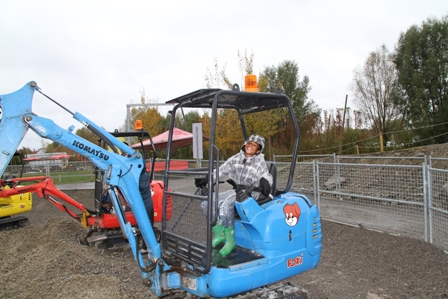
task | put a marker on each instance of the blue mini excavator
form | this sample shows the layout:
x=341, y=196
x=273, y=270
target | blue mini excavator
x=277, y=237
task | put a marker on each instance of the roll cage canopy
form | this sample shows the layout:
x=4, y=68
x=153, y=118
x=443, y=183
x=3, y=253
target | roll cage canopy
x=244, y=102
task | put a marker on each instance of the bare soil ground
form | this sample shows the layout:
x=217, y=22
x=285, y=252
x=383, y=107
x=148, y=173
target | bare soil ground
x=45, y=260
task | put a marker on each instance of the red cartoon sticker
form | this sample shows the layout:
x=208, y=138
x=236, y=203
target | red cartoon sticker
x=292, y=214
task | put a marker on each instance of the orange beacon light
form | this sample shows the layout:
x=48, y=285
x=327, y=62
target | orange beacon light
x=250, y=83
x=138, y=125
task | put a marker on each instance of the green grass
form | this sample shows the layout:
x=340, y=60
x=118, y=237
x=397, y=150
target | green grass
x=69, y=177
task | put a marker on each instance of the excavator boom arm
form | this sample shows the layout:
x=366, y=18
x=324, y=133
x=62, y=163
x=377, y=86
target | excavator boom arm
x=13, y=107
x=121, y=172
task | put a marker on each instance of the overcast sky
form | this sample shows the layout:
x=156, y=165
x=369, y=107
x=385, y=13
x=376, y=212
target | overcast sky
x=94, y=57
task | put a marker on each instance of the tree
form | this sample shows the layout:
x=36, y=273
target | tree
x=421, y=59
x=85, y=133
x=227, y=139
x=151, y=119
x=228, y=136
x=219, y=76
x=267, y=123
x=286, y=77
x=185, y=122
x=245, y=64
x=375, y=88
x=150, y=116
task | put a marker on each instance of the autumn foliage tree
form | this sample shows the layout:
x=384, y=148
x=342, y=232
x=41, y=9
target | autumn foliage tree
x=152, y=120
x=273, y=125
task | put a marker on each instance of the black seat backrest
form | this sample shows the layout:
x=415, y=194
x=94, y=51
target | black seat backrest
x=273, y=171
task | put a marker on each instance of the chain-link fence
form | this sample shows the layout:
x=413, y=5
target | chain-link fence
x=409, y=200
x=382, y=197
x=82, y=171
x=399, y=195
x=438, y=206
x=304, y=180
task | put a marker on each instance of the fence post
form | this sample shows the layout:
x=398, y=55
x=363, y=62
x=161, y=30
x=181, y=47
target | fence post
x=314, y=182
x=316, y=187
x=381, y=142
x=427, y=201
x=338, y=179
x=425, y=198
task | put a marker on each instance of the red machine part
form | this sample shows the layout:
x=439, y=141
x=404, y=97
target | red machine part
x=157, y=199
x=46, y=189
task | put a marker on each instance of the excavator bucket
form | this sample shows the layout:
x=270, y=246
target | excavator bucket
x=13, y=108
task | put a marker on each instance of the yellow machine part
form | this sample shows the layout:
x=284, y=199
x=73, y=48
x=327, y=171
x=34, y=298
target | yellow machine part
x=15, y=204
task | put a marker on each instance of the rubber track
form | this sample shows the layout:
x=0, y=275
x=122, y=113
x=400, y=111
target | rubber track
x=278, y=290
x=13, y=222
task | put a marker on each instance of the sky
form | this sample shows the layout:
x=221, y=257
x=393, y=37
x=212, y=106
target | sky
x=95, y=57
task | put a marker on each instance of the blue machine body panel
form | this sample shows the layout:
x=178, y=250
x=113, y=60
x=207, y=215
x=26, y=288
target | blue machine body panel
x=285, y=232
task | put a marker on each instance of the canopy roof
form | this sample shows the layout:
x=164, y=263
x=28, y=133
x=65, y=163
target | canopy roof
x=60, y=157
x=180, y=139
x=32, y=159
x=244, y=102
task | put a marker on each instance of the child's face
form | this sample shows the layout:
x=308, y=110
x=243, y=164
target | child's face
x=252, y=148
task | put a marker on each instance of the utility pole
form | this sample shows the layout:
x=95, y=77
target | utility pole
x=343, y=123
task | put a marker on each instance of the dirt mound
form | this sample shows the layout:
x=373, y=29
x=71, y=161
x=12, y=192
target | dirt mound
x=45, y=260
x=433, y=151
x=366, y=264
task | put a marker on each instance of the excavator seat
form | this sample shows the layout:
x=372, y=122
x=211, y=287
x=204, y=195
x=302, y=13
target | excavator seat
x=264, y=199
x=273, y=171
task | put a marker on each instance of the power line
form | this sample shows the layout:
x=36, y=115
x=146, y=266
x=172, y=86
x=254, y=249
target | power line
x=374, y=137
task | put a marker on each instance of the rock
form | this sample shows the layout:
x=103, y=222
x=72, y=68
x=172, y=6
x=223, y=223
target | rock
x=331, y=183
x=371, y=295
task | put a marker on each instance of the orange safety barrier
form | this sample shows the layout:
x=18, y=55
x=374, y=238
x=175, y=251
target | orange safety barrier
x=174, y=165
